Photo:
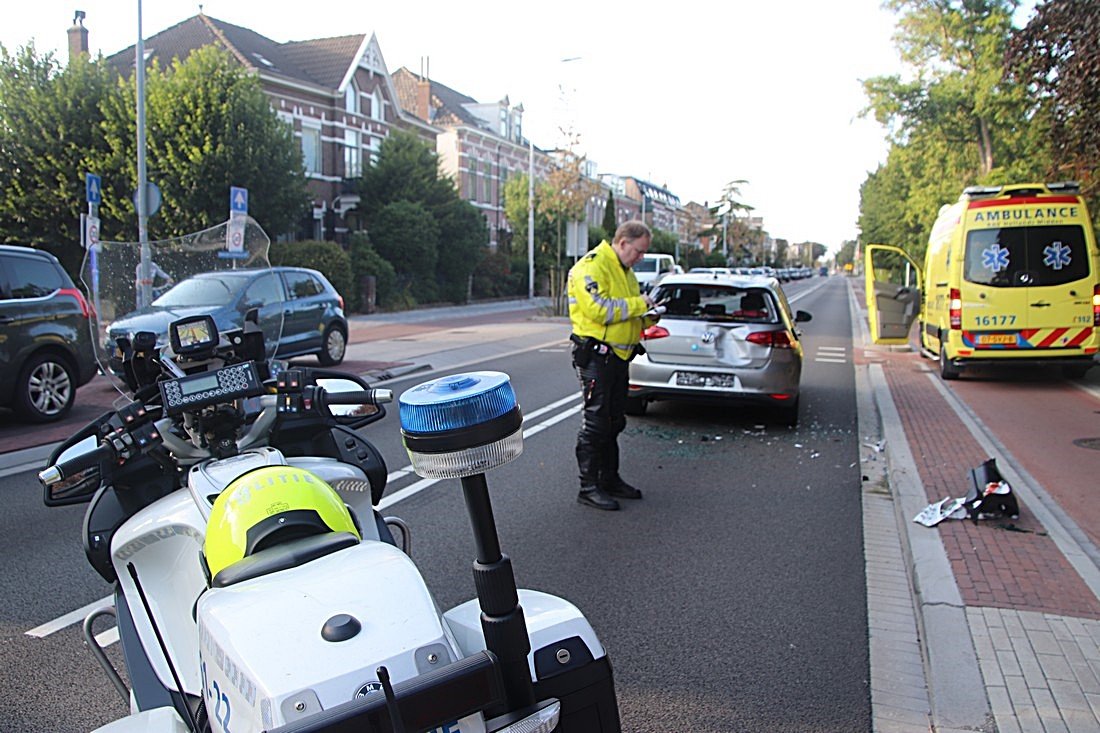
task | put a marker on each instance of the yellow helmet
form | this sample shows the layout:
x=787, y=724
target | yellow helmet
x=270, y=505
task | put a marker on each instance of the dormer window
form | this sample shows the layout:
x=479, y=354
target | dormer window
x=262, y=60
x=351, y=99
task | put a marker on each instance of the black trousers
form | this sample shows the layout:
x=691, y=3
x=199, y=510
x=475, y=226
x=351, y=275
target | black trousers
x=604, y=379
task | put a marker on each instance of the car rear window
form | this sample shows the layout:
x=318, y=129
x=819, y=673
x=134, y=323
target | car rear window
x=302, y=285
x=718, y=303
x=645, y=266
x=1026, y=256
x=33, y=277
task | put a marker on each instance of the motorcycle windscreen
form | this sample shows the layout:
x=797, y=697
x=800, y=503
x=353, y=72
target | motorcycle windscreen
x=223, y=272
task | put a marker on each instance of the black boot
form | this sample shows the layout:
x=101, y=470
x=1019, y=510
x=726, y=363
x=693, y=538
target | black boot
x=623, y=490
x=593, y=497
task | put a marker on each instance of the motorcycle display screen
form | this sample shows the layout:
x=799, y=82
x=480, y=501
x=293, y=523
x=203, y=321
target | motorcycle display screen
x=196, y=391
x=193, y=335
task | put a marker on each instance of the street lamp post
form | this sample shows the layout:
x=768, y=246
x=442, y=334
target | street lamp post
x=531, y=220
x=145, y=286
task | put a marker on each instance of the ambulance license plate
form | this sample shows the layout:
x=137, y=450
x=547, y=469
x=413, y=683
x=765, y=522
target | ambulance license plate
x=991, y=339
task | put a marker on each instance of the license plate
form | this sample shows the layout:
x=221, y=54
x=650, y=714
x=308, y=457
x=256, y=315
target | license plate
x=703, y=379
x=996, y=338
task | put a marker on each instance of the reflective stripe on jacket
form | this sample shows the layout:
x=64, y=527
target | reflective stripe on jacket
x=604, y=301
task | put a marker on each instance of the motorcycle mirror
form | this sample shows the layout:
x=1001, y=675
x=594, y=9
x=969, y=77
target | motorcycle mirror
x=81, y=486
x=346, y=413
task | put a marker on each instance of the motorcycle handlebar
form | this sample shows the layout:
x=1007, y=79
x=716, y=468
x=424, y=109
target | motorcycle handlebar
x=65, y=469
x=360, y=397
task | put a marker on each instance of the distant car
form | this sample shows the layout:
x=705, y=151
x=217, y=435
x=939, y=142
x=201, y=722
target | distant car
x=651, y=268
x=312, y=311
x=721, y=339
x=46, y=348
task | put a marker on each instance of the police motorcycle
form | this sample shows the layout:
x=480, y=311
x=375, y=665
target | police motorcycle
x=248, y=595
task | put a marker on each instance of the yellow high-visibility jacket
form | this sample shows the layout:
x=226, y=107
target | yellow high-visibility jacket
x=605, y=302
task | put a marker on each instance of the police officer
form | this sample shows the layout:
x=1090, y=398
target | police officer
x=607, y=312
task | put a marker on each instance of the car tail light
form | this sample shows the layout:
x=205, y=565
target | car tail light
x=1096, y=306
x=774, y=339
x=85, y=309
x=956, y=311
x=654, y=332
x=340, y=301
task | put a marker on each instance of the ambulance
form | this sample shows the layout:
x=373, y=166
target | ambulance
x=1011, y=276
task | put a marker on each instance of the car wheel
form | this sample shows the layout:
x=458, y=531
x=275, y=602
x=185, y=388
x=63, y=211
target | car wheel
x=636, y=406
x=947, y=370
x=334, y=344
x=46, y=388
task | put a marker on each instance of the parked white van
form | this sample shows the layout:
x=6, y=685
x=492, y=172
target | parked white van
x=651, y=268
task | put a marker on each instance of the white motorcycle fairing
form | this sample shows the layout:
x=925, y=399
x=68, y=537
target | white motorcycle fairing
x=263, y=649
x=164, y=540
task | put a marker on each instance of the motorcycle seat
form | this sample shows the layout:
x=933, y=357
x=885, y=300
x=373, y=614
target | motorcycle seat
x=282, y=556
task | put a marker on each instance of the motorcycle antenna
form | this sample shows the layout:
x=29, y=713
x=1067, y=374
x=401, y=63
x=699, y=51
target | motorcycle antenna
x=396, y=722
x=192, y=723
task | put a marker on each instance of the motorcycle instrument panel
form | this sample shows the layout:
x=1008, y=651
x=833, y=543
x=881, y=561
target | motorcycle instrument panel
x=208, y=388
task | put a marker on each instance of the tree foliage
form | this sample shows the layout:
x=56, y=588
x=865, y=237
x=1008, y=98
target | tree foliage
x=609, y=215
x=51, y=135
x=956, y=122
x=1057, y=58
x=418, y=222
x=209, y=126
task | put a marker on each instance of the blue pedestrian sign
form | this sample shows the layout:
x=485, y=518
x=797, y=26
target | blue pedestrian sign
x=238, y=200
x=93, y=188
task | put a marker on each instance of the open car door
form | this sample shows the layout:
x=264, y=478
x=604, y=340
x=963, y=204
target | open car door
x=893, y=287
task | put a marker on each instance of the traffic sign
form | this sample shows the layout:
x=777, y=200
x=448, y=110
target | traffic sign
x=91, y=235
x=93, y=188
x=152, y=198
x=238, y=200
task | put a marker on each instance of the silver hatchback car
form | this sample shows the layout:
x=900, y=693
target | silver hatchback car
x=721, y=338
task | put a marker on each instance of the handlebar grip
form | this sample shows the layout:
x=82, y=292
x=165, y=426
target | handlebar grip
x=360, y=397
x=64, y=469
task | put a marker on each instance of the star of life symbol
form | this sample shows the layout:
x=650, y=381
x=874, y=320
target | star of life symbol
x=995, y=258
x=1056, y=255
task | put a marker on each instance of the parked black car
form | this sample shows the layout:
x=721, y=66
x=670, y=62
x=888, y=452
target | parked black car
x=312, y=312
x=45, y=337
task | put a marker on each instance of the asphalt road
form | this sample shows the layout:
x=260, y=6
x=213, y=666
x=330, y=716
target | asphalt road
x=731, y=597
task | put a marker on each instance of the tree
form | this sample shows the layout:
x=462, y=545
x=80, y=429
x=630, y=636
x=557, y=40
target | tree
x=444, y=254
x=51, y=135
x=956, y=123
x=407, y=170
x=406, y=234
x=209, y=126
x=609, y=216
x=1057, y=57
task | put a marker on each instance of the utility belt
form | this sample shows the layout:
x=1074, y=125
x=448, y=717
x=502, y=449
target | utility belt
x=587, y=348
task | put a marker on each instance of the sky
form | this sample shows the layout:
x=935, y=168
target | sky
x=691, y=95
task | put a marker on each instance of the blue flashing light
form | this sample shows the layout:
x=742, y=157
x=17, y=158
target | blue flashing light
x=456, y=402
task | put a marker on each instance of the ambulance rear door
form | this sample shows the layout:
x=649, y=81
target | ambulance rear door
x=893, y=291
x=1029, y=286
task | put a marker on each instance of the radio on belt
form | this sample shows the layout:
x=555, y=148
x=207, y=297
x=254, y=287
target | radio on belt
x=208, y=388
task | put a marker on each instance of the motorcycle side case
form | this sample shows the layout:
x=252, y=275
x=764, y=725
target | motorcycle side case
x=280, y=647
x=566, y=661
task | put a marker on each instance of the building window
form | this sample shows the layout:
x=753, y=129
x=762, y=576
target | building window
x=486, y=182
x=376, y=112
x=372, y=146
x=351, y=99
x=471, y=180
x=311, y=148
x=353, y=156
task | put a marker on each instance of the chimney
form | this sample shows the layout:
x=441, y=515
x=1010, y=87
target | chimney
x=424, y=93
x=78, y=36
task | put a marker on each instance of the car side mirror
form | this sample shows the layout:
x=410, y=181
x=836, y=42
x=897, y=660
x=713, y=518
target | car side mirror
x=802, y=317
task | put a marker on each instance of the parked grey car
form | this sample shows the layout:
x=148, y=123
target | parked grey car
x=722, y=338
x=46, y=342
